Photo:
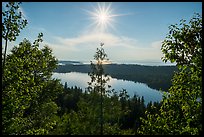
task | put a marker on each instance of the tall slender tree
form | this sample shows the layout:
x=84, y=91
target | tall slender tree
x=12, y=23
x=99, y=79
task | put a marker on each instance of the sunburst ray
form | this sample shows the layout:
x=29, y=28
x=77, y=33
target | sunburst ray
x=103, y=17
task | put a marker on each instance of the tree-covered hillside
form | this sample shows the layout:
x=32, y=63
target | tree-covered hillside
x=157, y=77
x=34, y=103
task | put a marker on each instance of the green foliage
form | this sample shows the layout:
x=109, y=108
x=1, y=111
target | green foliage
x=12, y=24
x=98, y=77
x=183, y=43
x=98, y=81
x=43, y=119
x=13, y=21
x=79, y=113
x=86, y=120
x=111, y=109
x=181, y=109
x=68, y=100
x=98, y=109
x=28, y=91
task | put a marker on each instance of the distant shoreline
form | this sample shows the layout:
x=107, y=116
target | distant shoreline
x=155, y=77
x=142, y=63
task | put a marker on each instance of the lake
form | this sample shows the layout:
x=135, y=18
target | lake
x=140, y=89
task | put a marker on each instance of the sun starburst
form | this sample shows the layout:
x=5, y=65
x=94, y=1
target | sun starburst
x=103, y=16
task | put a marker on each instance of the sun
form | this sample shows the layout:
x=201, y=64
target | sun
x=104, y=62
x=102, y=16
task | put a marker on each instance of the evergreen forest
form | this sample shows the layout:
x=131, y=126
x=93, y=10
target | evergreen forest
x=33, y=103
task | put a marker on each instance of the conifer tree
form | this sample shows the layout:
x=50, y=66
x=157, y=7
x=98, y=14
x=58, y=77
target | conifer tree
x=99, y=79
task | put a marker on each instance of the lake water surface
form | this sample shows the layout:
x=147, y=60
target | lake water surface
x=140, y=89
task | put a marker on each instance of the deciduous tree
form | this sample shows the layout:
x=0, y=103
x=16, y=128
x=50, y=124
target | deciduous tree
x=12, y=23
x=181, y=109
x=28, y=90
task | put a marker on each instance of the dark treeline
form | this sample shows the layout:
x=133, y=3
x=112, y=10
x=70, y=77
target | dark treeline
x=33, y=103
x=134, y=107
x=157, y=77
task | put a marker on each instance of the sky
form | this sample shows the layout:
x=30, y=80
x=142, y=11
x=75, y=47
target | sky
x=130, y=31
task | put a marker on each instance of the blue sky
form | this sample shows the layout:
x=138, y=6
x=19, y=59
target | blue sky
x=138, y=28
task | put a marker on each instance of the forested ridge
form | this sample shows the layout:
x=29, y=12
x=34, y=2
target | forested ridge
x=121, y=111
x=157, y=77
x=33, y=103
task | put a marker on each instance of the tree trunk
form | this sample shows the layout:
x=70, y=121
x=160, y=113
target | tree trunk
x=4, y=61
x=101, y=105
